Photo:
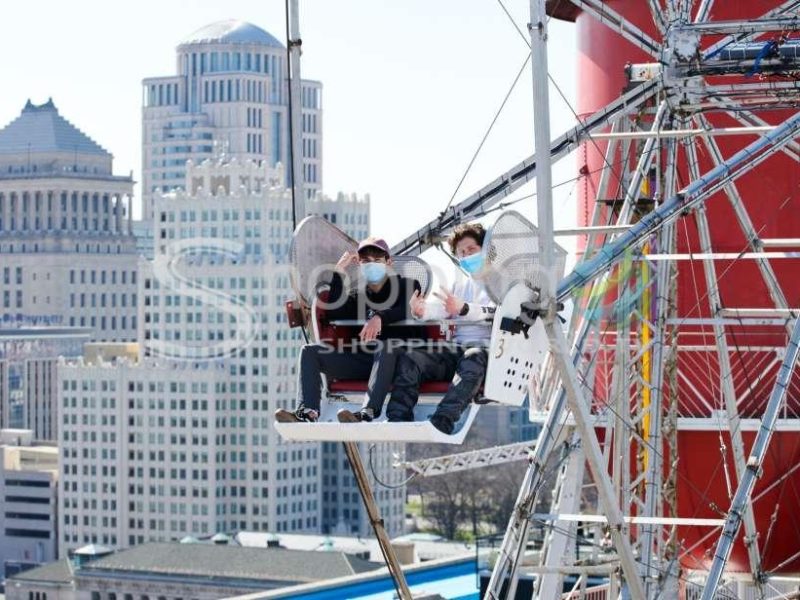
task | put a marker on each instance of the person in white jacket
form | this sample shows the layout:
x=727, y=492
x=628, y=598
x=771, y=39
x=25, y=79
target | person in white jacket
x=462, y=363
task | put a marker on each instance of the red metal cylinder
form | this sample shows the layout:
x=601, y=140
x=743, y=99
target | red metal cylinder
x=771, y=194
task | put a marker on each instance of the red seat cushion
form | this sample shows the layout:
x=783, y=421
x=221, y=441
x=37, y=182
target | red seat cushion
x=355, y=385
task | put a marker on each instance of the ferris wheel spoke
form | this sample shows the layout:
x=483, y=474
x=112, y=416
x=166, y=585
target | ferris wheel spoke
x=652, y=543
x=643, y=166
x=666, y=241
x=657, y=12
x=750, y=119
x=725, y=368
x=746, y=224
x=673, y=10
x=684, y=10
x=614, y=20
x=744, y=491
x=704, y=11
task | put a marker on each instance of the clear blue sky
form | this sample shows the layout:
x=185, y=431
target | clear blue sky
x=410, y=86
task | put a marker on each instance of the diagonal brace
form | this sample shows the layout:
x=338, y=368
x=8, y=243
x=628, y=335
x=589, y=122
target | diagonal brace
x=744, y=491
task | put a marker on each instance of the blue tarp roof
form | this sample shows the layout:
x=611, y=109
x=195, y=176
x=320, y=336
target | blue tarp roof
x=454, y=582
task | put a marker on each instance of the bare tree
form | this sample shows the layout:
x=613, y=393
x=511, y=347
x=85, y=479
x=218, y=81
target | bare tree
x=444, y=503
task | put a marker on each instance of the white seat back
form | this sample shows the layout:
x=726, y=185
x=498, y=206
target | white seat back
x=511, y=251
x=316, y=247
x=517, y=351
x=513, y=275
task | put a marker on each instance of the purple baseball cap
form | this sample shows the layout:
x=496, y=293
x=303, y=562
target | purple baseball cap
x=374, y=242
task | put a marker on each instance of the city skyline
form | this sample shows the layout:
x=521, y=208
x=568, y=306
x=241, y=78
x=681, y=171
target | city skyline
x=402, y=120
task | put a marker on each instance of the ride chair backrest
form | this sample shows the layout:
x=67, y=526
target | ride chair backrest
x=317, y=245
x=511, y=251
x=413, y=267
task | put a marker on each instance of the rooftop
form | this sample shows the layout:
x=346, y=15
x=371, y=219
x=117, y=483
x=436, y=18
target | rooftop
x=229, y=562
x=426, y=547
x=55, y=572
x=42, y=129
x=232, y=31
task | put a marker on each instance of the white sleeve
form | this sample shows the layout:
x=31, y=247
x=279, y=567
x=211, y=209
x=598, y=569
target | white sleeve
x=481, y=307
x=434, y=310
x=479, y=312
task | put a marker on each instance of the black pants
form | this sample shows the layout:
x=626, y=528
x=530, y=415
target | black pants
x=377, y=368
x=464, y=367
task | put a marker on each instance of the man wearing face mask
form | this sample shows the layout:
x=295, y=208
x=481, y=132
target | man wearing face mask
x=464, y=363
x=382, y=299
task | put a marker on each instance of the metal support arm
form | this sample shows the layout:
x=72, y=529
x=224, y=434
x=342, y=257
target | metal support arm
x=744, y=491
x=360, y=475
x=522, y=173
x=671, y=209
x=464, y=461
x=594, y=456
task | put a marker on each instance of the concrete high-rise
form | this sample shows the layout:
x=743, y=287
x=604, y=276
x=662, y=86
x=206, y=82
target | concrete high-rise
x=68, y=254
x=230, y=93
x=68, y=261
x=179, y=441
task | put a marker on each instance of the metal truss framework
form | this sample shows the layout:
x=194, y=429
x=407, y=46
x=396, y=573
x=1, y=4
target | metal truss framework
x=643, y=347
x=464, y=461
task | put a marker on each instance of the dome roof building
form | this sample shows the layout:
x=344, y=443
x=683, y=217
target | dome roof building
x=230, y=97
x=232, y=31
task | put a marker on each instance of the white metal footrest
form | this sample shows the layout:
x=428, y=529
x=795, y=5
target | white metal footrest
x=380, y=430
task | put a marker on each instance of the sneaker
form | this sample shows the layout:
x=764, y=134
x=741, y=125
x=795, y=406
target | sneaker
x=443, y=424
x=348, y=416
x=301, y=415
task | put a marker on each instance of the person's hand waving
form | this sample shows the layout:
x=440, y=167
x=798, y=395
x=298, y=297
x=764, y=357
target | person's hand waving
x=452, y=304
x=348, y=258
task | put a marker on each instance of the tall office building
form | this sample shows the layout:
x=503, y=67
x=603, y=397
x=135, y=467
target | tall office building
x=68, y=254
x=231, y=92
x=67, y=259
x=180, y=441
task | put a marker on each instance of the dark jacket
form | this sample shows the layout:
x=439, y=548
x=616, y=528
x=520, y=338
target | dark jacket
x=391, y=303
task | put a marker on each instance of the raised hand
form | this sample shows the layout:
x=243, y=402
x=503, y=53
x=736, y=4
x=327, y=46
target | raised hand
x=417, y=304
x=348, y=258
x=452, y=304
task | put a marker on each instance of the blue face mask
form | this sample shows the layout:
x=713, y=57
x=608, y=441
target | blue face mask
x=472, y=263
x=373, y=272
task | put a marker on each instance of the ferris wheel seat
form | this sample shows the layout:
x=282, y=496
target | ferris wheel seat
x=329, y=429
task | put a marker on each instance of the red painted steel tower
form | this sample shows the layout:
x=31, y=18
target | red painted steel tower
x=770, y=194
